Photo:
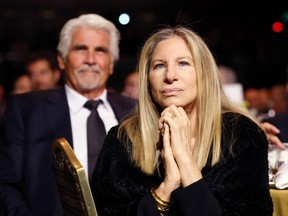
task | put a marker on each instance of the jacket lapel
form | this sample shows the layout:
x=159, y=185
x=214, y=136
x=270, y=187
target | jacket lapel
x=58, y=117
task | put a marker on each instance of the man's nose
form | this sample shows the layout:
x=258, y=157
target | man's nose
x=90, y=58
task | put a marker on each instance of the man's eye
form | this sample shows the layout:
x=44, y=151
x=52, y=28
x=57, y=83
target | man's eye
x=80, y=48
x=101, y=50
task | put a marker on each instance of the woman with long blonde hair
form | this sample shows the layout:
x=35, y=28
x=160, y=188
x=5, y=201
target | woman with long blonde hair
x=185, y=149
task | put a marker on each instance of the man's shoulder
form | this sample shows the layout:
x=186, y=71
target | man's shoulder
x=37, y=99
x=120, y=100
x=40, y=95
x=121, y=105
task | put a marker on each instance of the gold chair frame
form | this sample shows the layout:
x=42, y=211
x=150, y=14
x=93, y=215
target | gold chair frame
x=72, y=182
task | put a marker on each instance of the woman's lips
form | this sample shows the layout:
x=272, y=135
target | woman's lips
x=171, y=91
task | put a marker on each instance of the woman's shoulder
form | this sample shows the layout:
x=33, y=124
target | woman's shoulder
x=239, y=121
x=243, y=129
x=116, y=135
x=113, y=130
x=112, y=135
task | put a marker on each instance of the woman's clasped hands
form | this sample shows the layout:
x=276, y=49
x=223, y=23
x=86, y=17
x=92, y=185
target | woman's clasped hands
x=177, y=152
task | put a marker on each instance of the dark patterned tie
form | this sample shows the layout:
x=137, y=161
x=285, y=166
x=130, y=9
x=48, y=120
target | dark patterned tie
x=95, y=134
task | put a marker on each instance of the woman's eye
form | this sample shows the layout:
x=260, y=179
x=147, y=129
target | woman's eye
x=183, y=63
x=158, y=66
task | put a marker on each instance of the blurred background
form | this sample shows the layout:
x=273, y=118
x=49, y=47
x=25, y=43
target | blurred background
x=251, y=39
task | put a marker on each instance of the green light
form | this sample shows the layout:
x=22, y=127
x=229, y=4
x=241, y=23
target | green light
x=285, y=16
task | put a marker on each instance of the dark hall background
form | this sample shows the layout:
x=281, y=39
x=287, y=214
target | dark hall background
x=239, y=34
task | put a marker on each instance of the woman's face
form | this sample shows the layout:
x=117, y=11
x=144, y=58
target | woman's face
x=172, y=74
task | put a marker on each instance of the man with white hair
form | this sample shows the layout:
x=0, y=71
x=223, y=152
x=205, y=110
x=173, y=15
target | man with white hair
x=88, y=50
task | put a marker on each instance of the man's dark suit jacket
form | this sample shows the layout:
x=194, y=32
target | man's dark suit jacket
x=281, y=122
x=31, y=123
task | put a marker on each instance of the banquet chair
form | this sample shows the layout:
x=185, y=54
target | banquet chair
x=71, y=180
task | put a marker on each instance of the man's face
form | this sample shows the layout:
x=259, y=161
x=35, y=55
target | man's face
x=89, y=63
x=42, y=75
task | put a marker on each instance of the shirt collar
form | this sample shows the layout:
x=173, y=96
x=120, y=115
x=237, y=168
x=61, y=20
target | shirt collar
x=76, y=101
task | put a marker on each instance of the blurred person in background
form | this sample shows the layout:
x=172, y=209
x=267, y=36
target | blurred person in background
x=252, y=101
x=281, y=122
x=22, y=84
x=232, y=88
x=227, y=75
x=279, y=98
x=259, y=102
x=130, y=88
x=43, y=69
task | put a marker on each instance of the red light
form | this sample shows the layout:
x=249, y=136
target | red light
x=277, y=27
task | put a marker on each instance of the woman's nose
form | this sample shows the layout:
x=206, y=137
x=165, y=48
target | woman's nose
x=171, y=74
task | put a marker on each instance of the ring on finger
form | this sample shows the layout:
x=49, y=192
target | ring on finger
x=173, y=115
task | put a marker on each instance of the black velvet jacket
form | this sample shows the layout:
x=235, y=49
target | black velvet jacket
x=236, y=185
